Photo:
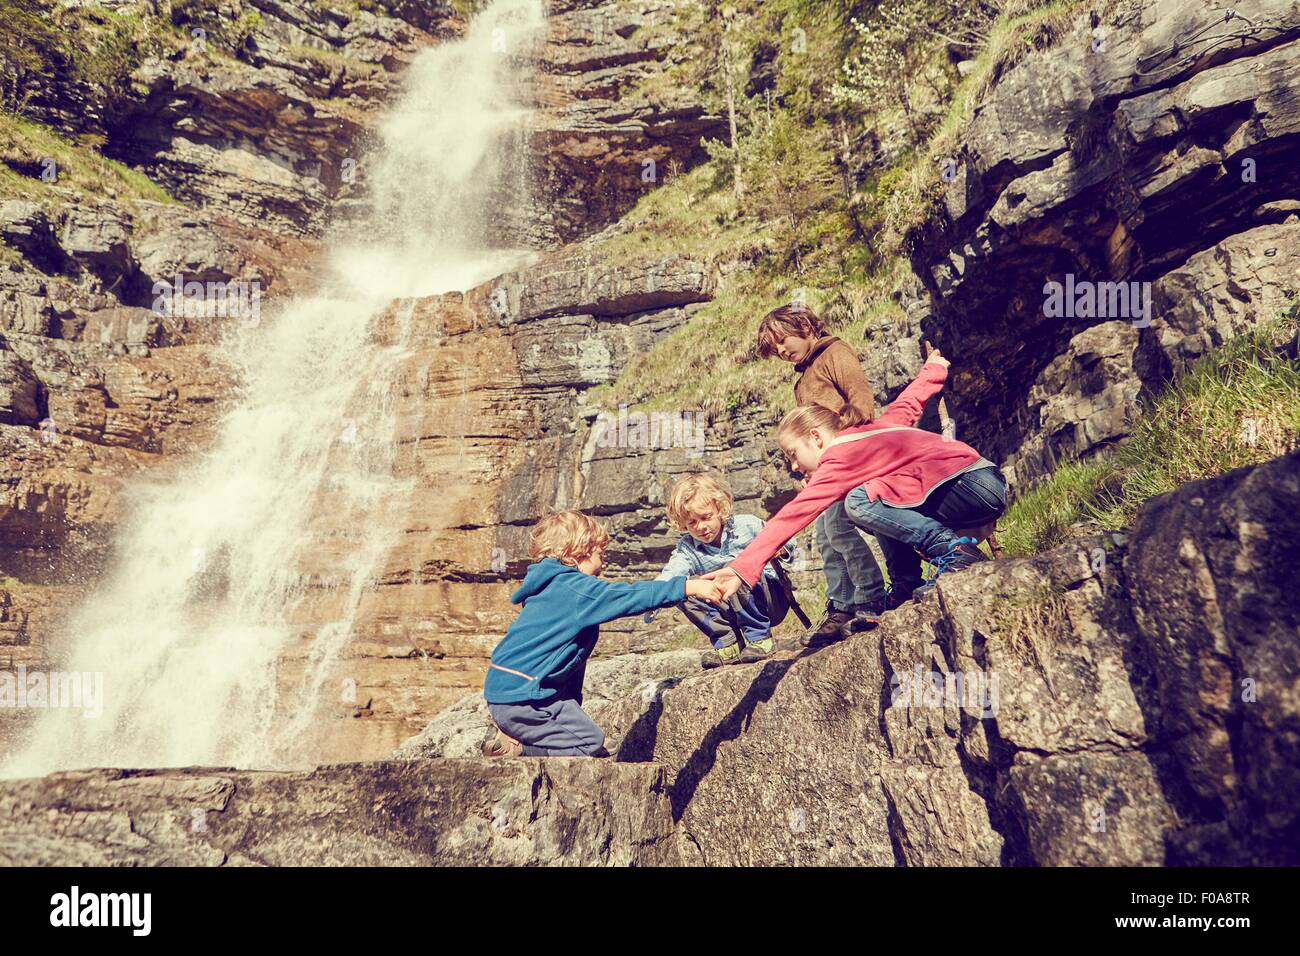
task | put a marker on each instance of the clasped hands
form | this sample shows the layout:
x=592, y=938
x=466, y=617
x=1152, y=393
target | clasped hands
x=716, y=587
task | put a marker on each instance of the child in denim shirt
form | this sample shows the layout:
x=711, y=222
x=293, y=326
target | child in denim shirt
x=700, y=506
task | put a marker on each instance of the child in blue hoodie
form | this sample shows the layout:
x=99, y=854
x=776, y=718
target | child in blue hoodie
x=534, y=681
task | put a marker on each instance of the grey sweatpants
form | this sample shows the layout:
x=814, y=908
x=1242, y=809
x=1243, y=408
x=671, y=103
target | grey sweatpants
x=558, y=729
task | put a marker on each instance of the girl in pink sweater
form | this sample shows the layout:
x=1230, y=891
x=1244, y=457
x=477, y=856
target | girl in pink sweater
x=911, y=488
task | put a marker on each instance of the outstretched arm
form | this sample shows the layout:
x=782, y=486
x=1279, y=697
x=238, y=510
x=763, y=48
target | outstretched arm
x=907, y=408
x=819, y=494
x=601, y=601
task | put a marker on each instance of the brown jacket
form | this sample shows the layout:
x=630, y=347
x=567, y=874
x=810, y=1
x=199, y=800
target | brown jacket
x=832, y=376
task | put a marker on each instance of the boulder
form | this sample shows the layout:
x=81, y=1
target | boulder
x=97, y=240
x=1213, y=573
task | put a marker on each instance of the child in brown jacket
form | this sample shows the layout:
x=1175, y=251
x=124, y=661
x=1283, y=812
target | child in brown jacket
x=830, y=375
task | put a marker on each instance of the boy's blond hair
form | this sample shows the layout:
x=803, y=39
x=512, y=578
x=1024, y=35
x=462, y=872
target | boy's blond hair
x=698, y=487
x=568, y=536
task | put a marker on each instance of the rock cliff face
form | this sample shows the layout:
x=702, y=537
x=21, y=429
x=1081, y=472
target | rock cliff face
x=1122, y=733
x=1151, y=148
x=598, y=145
x=1111, y=702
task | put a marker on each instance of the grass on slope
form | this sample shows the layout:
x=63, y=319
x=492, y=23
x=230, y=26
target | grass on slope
x=80, y=167
x=843, y=253
x=1239, y=405
x=709, y=364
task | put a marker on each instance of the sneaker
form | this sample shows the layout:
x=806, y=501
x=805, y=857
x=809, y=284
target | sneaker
x=757, y=650
x=720, y=655
x=502, y=745
x=867, y=616
x=828, y=630
x=962, y=554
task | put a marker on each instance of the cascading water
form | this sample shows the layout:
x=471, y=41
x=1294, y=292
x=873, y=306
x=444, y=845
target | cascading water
x=190, y=627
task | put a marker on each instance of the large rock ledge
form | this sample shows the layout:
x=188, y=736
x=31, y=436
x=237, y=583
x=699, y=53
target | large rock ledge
x=462, y=812
x=1146, y=711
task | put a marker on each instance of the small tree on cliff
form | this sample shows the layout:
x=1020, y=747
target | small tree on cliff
x=896, y=46
x=713, y=55
x=790, y=170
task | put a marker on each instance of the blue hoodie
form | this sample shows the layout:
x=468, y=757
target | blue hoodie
x=549, y=642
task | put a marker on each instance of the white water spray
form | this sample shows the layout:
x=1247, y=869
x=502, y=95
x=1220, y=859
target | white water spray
x=191, y=625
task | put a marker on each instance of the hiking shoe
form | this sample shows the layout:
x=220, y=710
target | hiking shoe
x=757, y=650
x=502, y=745
x=896, y=598
x=963, y=553
x=719, y=656
x=867, y=616
x=828, y=630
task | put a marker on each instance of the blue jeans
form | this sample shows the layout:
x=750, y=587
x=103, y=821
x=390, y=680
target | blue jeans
x=560, y=728
x=967, y=500
x=852, y=574
x=756, y=610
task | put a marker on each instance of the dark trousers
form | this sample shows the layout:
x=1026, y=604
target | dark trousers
x=755, y=612
x=968, y=500
x=560, y=728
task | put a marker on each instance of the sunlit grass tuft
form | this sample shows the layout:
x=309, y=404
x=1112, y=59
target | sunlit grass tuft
x=80, y=167
x=1239, y=405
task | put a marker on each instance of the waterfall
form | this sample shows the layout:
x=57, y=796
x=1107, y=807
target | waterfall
x=297, y=497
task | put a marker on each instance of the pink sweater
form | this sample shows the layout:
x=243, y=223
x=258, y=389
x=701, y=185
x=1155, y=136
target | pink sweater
x=896, y=461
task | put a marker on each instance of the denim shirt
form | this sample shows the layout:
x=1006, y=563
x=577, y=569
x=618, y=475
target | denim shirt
x=691, y=557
